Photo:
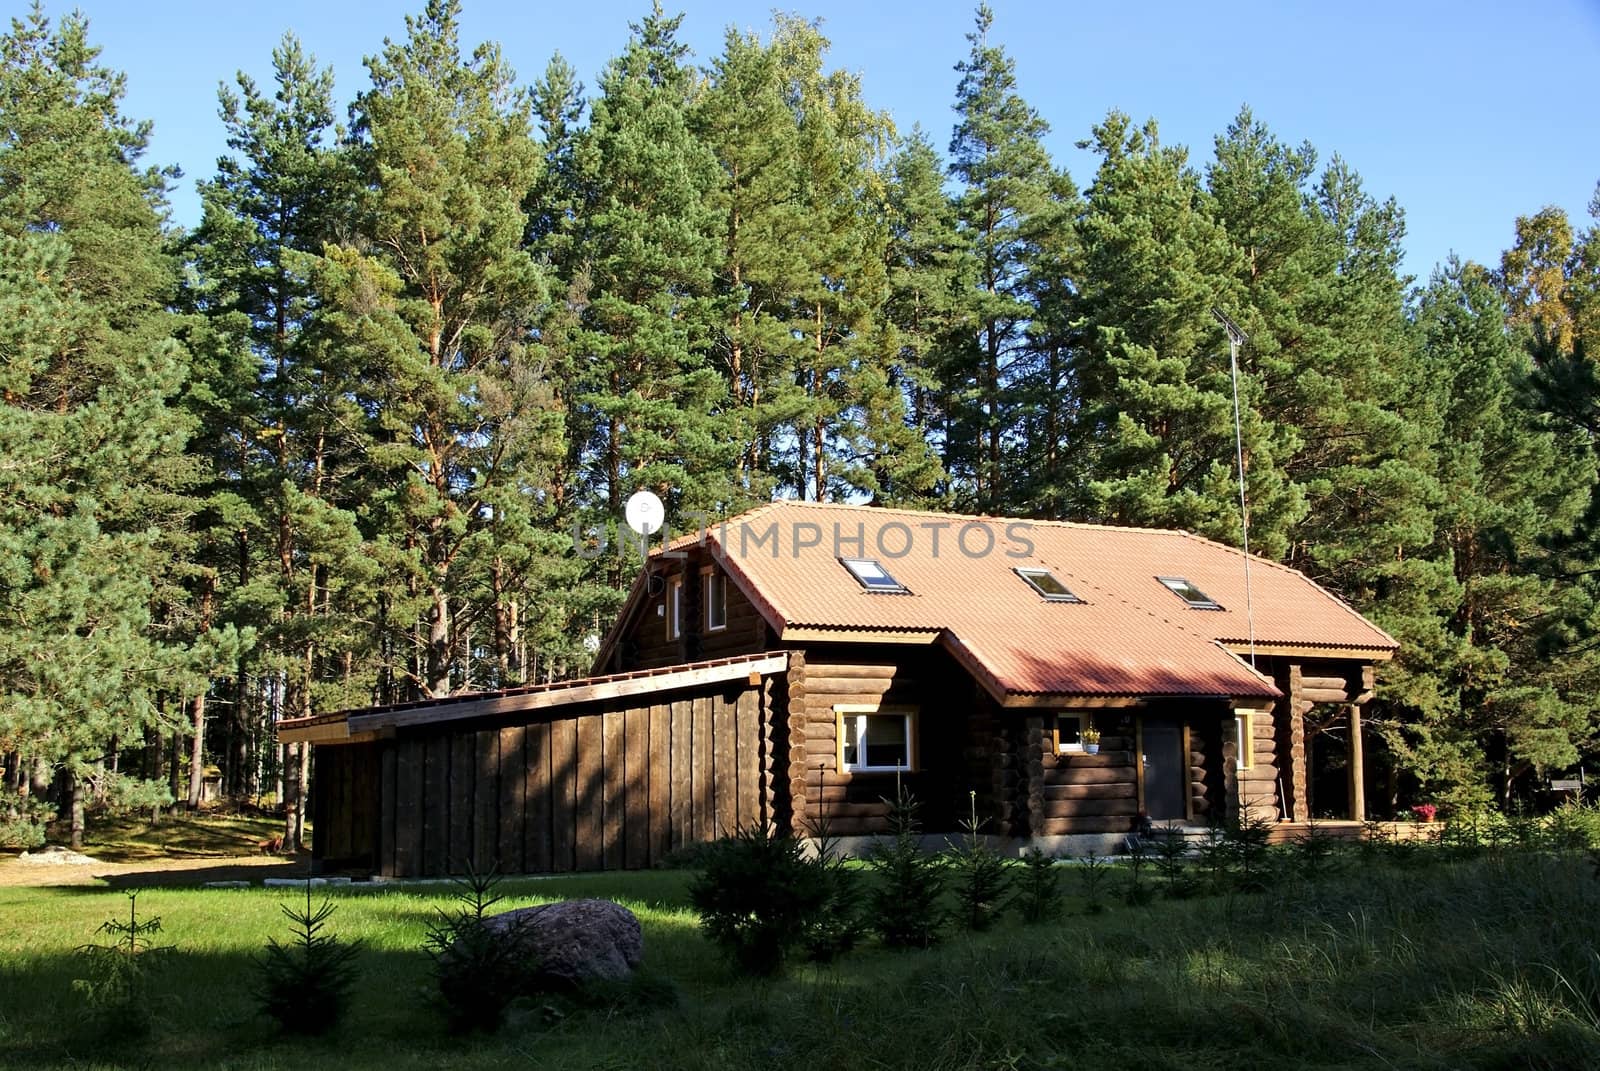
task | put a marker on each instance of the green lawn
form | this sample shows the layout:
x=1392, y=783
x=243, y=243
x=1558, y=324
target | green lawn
x=132, y=839
x=1482, y=964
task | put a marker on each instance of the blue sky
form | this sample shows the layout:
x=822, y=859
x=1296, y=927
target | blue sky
x=1468, y=113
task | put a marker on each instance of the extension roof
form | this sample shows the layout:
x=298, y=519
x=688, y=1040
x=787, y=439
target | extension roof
x=1129, y=636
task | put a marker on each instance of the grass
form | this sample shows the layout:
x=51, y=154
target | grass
x=132, y=839
x=1484, y=963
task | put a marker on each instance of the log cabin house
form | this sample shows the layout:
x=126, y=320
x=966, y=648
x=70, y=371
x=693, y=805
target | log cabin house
x=803, y=660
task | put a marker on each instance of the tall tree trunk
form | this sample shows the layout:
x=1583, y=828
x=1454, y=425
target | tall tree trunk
x=302, y=782
x=289, y=777
x=175, y=765
x=439, y=643
x=75, y=803
x=197, y=749
x=240, y=767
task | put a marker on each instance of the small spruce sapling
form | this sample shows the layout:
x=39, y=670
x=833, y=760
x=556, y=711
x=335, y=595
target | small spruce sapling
x=836, y=926
x=306, y=983
x=756, y=897
x=904, y=904
x=120, y=968
x=1038, y=891
x=980, y=873
x=1137, y=891
x=1177, y=881
x=480, y=968
x=1248, y=840
x=1094, y=873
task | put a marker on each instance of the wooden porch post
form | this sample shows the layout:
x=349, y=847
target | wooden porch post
x=1358, y=782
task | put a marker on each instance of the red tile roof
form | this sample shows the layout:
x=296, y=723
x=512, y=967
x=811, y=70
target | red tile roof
x=1130, y=636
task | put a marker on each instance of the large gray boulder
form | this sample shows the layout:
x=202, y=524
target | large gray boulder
x=575, y=941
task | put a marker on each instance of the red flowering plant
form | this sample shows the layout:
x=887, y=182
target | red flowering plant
x=1425, y=812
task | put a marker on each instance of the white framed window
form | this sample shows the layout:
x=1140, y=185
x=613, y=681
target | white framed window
x=1069, y=732
x=870, y=574
x=1244, y=733
x=674, y=607
x=1184, y=589
x=714, y=591
x=1045, y=583
x=876, y=739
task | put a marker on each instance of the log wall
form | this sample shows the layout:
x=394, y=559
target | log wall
x=1079, y=793
x=1256, y=789
x=644, y=643
x=596, y=787
x=855, y=804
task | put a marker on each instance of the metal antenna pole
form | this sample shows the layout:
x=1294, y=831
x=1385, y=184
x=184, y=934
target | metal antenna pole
x=1236, y=336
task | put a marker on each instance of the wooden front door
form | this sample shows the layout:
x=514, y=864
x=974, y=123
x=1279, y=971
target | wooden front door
x=1166, y=774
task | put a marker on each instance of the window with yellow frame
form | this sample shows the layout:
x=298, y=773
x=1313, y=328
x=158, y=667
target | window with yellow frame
x=1244, y=734
x=1068, y=732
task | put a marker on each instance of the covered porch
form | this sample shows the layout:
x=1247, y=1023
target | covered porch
x=1109, y=767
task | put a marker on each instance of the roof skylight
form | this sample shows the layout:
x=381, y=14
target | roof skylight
x=1045, y=583
x=1183, y=589
x=871, y=575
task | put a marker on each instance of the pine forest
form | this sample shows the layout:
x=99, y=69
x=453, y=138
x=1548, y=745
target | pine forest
x=330, y=446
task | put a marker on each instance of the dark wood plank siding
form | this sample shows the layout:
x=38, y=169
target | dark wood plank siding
x=346, y=806
x=601, y=786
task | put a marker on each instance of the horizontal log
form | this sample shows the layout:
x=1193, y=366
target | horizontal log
x=1054, y=827
x=831, y=686
x=821, y=704
x=816, y=669
x=1075, y=760
x=859, y=792
x=1085, y=808
x=857, y=827
x=1089, y=775
x=1119, y=790
x=847, y=810
x=1326, y=683
x=1325, y=695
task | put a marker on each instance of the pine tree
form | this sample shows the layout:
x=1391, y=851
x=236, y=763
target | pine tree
x=659, y=410
x=93, y=495
x=923, y=306
x=438, y=298
x=276, y=416
x=746, y=116
x=1510, y=480
x=1153, y=369
x=998, y=157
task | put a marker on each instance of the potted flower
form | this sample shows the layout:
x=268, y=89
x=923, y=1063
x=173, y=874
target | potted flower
x=1425, y=812
x=1091, y=741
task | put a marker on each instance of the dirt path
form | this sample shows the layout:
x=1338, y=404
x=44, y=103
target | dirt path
x=182, y=870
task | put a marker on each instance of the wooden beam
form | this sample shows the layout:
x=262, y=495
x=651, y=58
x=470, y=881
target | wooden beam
x=914, y=637
x=576, y=692
x=1118, y=702
x=1358, y=783
x=328, y=732
x=1292, y=650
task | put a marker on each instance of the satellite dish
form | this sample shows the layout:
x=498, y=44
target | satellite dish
x=644, y=513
